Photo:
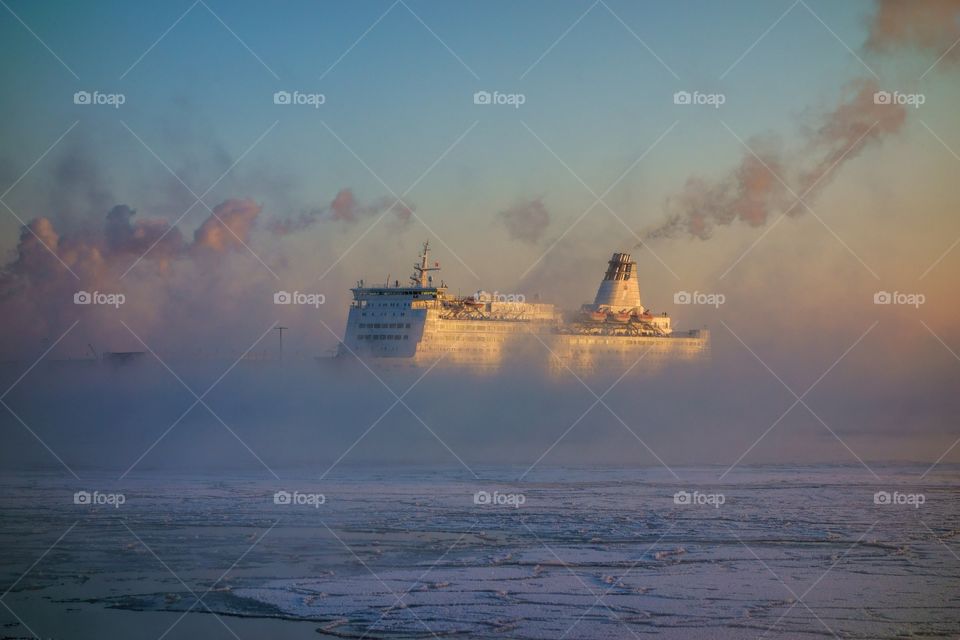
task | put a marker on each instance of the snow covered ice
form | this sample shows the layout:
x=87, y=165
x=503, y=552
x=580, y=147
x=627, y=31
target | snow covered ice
x=590, y=553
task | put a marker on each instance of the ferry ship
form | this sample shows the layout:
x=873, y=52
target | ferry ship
x=421, y=324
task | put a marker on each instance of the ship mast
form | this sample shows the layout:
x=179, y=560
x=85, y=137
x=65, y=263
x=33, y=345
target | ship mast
x=420, y=276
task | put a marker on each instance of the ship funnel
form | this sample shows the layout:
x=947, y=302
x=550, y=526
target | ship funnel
x=620, y=289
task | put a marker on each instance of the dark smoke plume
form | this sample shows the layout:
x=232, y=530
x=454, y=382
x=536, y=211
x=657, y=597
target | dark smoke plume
x=526, y=221
x=769, y=181
x=344, y=208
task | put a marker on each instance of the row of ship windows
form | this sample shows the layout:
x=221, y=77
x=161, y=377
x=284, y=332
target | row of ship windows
x=382, y=337
x=486, y=352
x=382, y=313
x=485, y=327
x=618, y=341
x=384, y=325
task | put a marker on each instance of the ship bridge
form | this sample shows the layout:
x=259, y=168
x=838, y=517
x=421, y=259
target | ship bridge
x=420, y=286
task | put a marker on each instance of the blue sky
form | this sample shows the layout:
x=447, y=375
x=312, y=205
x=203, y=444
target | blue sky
x=399, y=98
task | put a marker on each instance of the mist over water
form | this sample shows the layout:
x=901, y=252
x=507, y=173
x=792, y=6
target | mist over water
x=307, y=414
x=181, y=457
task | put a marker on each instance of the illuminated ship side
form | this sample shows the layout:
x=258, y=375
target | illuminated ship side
x=420, y=323
x=617, y=331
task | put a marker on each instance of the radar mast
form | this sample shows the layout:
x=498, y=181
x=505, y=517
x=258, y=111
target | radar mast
x=421, y=272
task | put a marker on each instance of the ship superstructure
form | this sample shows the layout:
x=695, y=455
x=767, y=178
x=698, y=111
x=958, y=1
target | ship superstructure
x=421, y=323
x=617, y=308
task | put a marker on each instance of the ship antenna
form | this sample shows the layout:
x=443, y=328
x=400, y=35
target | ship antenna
x=420, y=276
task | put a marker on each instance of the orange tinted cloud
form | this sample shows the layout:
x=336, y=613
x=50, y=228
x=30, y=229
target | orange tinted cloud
x=228, y=227
x=931, y=25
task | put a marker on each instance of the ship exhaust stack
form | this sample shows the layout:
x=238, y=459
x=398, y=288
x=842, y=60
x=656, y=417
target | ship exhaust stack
x=620, y=289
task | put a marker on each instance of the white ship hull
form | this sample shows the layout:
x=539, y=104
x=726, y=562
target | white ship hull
x=420, y=325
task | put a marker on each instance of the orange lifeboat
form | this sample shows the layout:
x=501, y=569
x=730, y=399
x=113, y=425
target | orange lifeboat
x=595, y=315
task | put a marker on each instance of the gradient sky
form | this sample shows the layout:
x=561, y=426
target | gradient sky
x=199, y=92
x=399, y=98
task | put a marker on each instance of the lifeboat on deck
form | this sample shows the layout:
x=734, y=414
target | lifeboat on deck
x=595, y=315
x=620, y=316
